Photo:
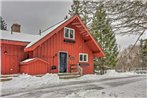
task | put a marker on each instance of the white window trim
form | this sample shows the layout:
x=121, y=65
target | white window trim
x=69, y=33
x=83, y=57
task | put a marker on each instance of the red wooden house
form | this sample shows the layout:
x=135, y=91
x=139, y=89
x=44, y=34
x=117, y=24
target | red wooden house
x=63, y=48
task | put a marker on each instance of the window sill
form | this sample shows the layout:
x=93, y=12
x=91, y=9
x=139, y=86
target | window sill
x=69, y=40
x=84, y=64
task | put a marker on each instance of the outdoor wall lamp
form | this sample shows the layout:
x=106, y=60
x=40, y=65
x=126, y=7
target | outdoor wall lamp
x=5, y=52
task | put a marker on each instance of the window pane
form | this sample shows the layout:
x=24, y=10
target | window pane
x=66, y=32
x=71, y=33
x=81, y=56
x=85, y=57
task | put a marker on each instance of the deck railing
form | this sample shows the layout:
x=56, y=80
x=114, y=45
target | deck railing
x=80, y=69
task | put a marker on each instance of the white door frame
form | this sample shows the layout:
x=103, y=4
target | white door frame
x=59, y=60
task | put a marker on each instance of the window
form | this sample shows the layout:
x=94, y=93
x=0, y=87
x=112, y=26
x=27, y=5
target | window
x=83, y=57
x=69, y=33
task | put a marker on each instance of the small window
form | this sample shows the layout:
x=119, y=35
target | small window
x=83, y=57
x=66, y=33
x=69, y=33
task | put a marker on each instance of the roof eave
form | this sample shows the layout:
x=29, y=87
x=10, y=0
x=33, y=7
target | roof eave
x=31, y=48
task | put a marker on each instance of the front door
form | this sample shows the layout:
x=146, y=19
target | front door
x=63, y=62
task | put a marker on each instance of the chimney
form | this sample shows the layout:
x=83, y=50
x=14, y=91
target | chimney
x=15, y=28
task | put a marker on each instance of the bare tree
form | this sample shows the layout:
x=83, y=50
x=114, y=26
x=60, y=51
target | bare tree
x=127, y=16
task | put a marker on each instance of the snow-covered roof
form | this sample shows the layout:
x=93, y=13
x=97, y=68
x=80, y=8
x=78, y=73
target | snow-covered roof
x=27, y=60
x=43, y=34
x=15, y=36
x=24, y=37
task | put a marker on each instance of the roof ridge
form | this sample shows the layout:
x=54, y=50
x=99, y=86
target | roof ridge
x=54, y=25
x=47, y=31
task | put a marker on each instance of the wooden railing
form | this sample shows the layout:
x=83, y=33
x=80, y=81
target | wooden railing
x=76, y=68
x=80, y=69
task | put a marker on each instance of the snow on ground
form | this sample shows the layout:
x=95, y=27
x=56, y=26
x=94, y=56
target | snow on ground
x=28, y=81
x=25, y=81
x=132, y=90
x=109, y=74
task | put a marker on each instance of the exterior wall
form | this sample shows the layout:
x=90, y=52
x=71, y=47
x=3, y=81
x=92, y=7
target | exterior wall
x=11, y=56
x=35, y=68
x=49, y=51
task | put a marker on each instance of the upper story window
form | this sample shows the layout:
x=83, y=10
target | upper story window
x=83, y=57
x=69, y=33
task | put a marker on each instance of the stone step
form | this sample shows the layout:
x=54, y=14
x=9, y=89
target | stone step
x=63, y=74
x=69, y=75
x=5, y=79
x=9, y=75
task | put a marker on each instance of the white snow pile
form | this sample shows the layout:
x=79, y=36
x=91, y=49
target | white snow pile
x=109, y=74
x=28, y=81
x=25, y=81
x=113, y=73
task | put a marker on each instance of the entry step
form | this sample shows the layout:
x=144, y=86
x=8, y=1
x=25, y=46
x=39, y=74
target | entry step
x=69, y=75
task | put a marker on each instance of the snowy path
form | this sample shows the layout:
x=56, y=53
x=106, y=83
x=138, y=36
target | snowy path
x=66, y=88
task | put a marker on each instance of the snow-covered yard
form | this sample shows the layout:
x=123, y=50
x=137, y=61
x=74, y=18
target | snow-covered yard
x=28, y=81
x=25, y=83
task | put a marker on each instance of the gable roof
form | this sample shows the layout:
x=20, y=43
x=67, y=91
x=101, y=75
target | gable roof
x=31, y=60
x=89, y=40
x=36, y=40
x=48, y=33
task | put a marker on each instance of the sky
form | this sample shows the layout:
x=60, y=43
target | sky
x=34, y=15
x=40, y=14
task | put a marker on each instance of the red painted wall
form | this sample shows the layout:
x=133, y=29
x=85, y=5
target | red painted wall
x=35, y=68
x=48, y=51
x=50, y=48
x=11, y=56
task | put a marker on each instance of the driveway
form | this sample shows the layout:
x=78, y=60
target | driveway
x=65, y=88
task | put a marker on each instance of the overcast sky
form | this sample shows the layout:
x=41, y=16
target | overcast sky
x=35, y=15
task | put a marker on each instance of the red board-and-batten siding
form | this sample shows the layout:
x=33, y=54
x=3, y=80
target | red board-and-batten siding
x=48, y=48
x=55, y=44
x=12, y=53
x=35, y=66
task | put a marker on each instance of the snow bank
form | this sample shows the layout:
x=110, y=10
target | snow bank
x=109, y=74
x=113, y=73
x=28, y=81
x=25, y=82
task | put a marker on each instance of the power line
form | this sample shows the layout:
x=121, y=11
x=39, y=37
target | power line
x=137, y=40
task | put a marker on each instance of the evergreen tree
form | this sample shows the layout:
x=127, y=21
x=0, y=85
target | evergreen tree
x=84, y=9
x=102, y=31
x=95, y=18
x=3, y=24
x=75, y=8
x=143, y=45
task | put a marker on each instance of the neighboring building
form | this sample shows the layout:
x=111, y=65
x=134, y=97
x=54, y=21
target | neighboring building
x=60, y=49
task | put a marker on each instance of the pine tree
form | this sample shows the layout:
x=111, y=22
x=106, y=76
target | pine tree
x=84, y=9
x=75, y=8
x=143, y=45
x=94, y=17
x=102, y=31
x=3, y=24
